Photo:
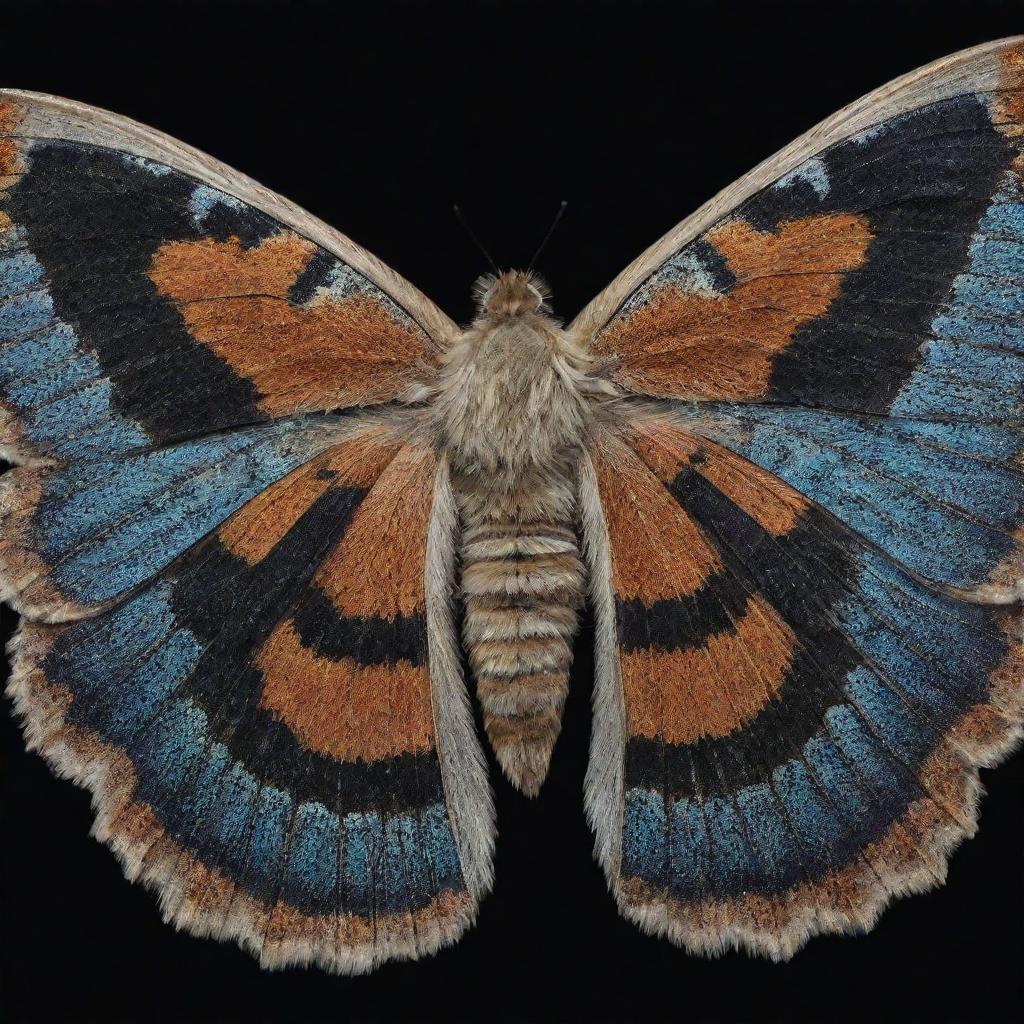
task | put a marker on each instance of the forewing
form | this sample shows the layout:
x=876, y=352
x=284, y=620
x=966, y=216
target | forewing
x=275, y=729
x=873, y=267
x=149, y=294
x=788, y=724
x=809, y=556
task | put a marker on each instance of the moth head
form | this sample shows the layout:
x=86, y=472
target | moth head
x=512, y=293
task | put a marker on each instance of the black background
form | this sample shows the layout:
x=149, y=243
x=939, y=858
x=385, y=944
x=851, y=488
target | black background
x=377, y=117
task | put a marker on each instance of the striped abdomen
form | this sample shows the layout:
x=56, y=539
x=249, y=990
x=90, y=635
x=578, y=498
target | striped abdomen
x=522, y=581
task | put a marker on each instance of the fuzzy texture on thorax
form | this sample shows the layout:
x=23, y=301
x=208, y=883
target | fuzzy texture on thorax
x=511, y=413
x=511, y=398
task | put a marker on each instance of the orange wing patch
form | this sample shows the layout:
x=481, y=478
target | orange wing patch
x=681, y=696
x=657, y=550
x=343, y=709
x=10, y=155
x=729, y=653
x=1008, y=103
x=700, y=346
x=377, y=568
x=329, y=353
x=337, y=705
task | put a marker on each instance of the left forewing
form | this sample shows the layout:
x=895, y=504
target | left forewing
x=149, y=294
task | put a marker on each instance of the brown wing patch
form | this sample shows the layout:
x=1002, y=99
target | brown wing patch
x=336, y=705
x=707, y=346
x=344, y=709
x=768, y=501
x=665, y=449
x=253, y=531
x=1008, y=104
x=377, y=568
x=657, y=550
x=207, y=270
x=10, y=156
x=684, y=695
x=329, y=352
x=765, y=498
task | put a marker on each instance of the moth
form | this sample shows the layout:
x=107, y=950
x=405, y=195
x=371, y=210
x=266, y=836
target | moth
x=266, y=496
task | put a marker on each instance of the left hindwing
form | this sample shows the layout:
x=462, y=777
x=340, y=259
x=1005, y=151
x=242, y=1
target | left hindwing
x=807, y=532
x=274, y=728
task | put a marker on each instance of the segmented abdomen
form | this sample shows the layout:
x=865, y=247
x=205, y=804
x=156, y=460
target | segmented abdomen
x=522, y=581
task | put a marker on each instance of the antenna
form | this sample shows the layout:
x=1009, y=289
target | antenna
x=551, y=231
x=476, y=241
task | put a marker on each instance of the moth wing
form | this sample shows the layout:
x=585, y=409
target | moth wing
x=167, y=330
x=176, y=295
x=275, y=729
x=236, y=624
x=807, y=555
x=883, y=150
x=788, y=724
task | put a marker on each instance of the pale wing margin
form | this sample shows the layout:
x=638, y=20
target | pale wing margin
x=463, y=766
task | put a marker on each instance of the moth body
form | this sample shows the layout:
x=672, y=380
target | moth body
x=512, y=415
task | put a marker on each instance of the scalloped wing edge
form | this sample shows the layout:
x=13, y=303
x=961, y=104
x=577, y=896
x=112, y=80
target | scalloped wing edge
x=182, y=883
x=178, y=879
x=714, y=928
